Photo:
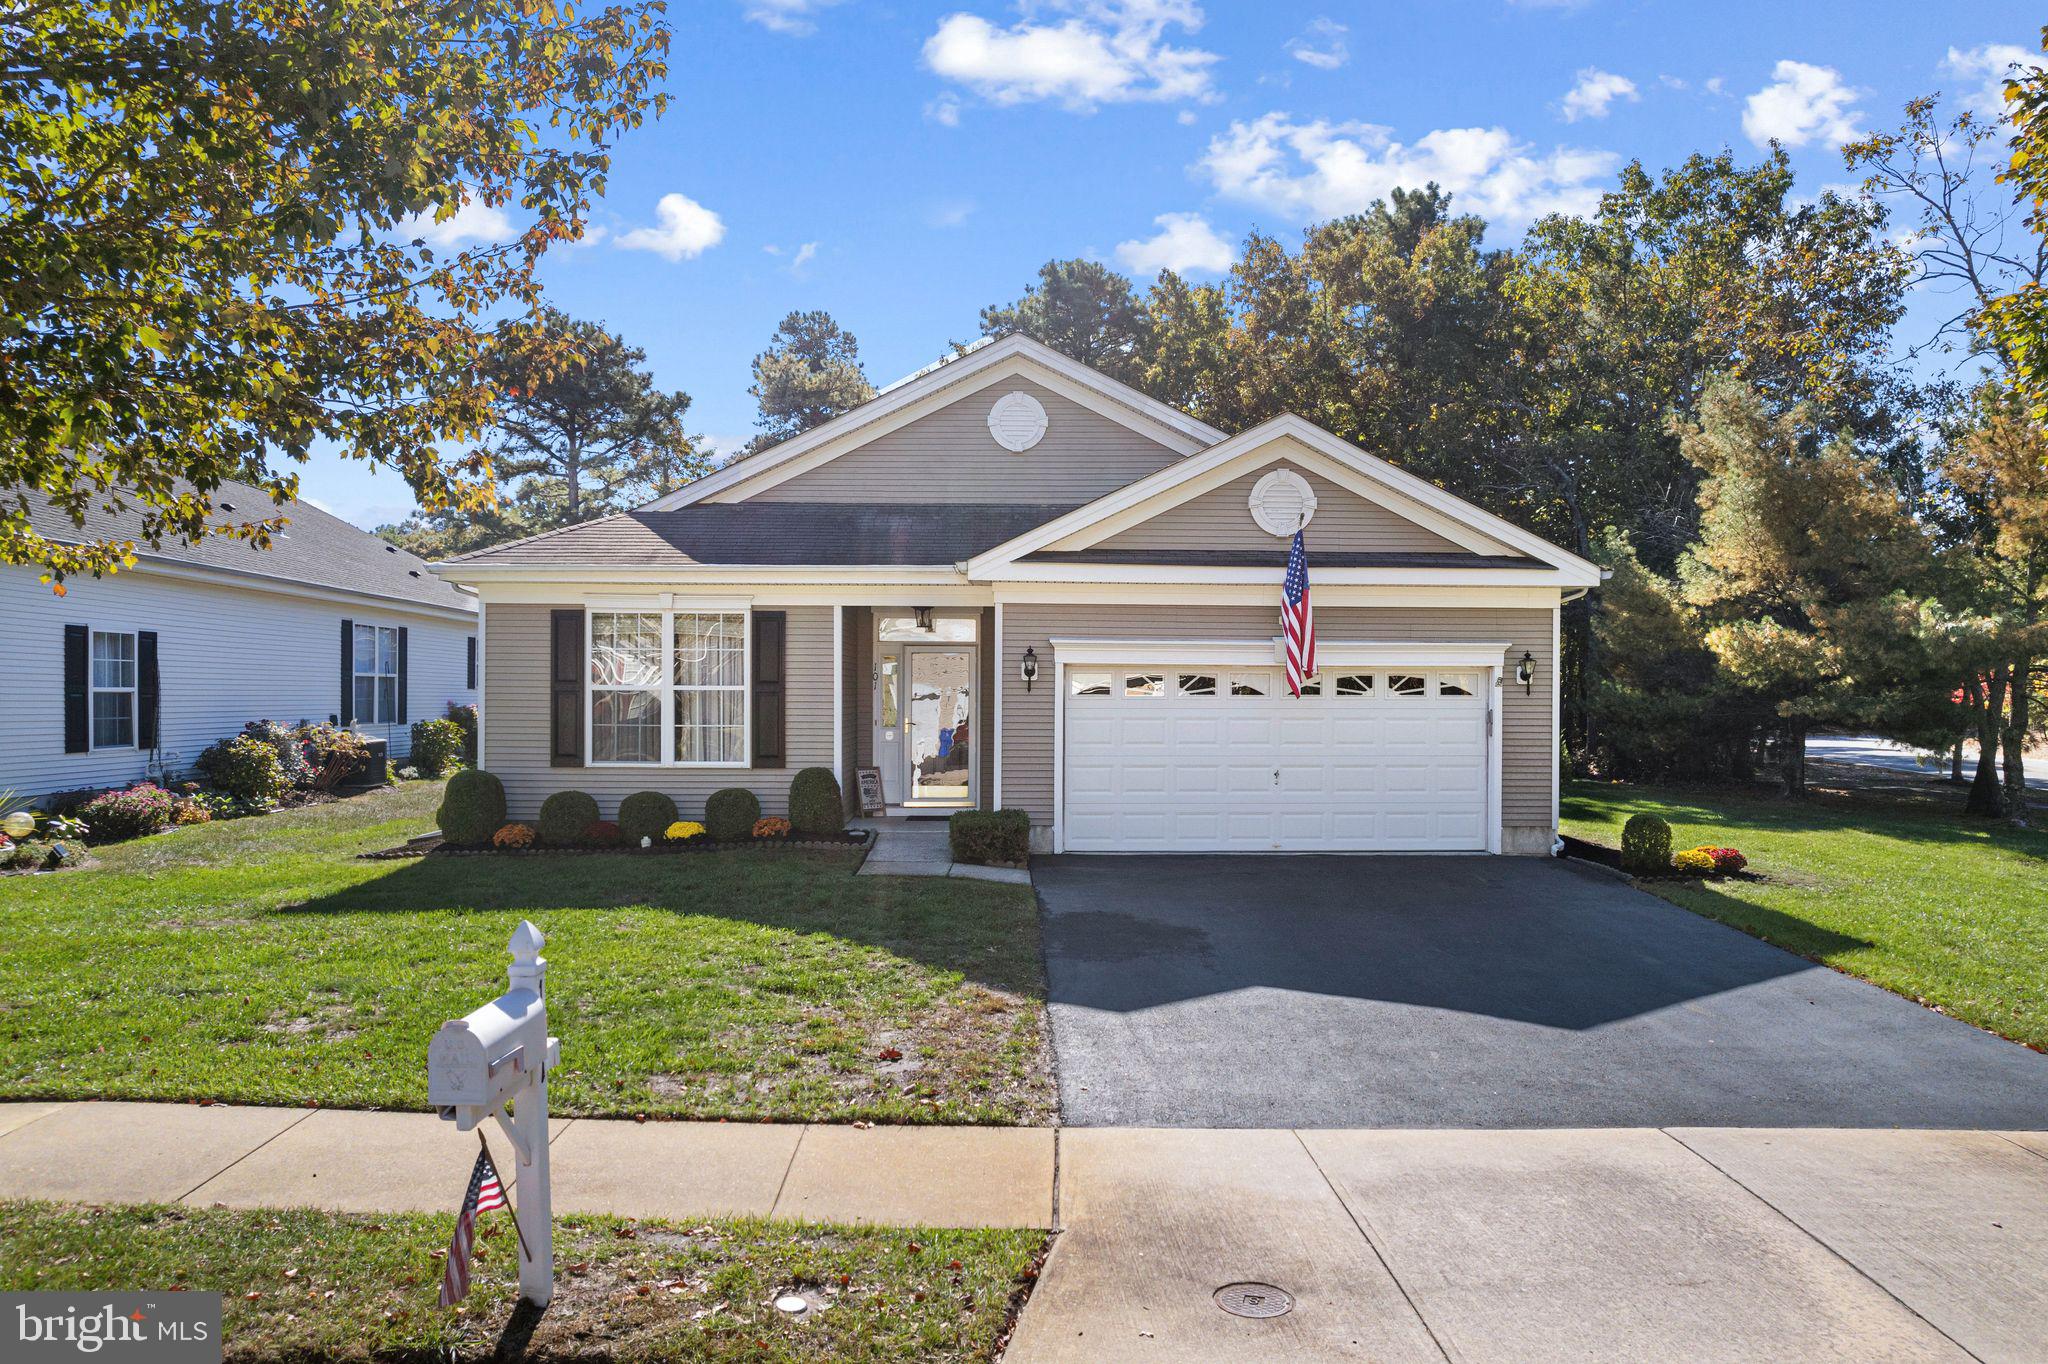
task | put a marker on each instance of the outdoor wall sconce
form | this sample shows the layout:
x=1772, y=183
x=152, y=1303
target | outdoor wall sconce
x=1525, y=671
x=924, y=617
x=1029, y=667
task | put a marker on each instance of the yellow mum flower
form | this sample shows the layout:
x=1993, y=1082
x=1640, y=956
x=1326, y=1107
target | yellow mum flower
x=683, y=830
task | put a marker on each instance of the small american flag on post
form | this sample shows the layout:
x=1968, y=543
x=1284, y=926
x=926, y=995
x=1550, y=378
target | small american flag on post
x=485, y=1193
x=1298, y=619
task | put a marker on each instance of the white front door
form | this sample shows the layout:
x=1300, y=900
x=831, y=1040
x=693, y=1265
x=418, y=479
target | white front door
x=1218, y=759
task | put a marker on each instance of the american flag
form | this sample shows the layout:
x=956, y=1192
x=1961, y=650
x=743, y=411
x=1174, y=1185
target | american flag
x=485, y=1193
x=1298, y=619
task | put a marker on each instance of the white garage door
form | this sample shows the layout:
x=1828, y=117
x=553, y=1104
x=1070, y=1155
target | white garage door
x=1192, y=759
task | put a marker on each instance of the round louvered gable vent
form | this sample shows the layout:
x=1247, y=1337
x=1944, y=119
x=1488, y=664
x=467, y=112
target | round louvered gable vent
x=1282, y=502
x=1017, y=421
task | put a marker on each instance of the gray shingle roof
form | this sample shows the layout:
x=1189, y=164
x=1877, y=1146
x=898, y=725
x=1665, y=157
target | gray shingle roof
x=1277, y=558
x=317, y=549
x=781, y=533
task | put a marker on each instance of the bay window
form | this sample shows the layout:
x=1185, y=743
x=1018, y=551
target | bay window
x=668, y=687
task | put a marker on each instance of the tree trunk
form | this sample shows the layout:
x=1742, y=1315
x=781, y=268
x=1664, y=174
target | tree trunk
x=1795, y=759
x=2016, y=741
x=1985, y=797
x=1955, y=762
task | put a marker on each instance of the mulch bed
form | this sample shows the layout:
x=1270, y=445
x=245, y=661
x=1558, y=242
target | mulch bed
x=433, y=845
x=1605, y=856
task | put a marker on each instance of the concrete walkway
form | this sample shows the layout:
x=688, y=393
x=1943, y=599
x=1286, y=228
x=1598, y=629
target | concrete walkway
x=906, y=846
x=1482, y=1246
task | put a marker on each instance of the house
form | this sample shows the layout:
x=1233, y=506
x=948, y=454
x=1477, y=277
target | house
x=1011, y=581
x=132, y=675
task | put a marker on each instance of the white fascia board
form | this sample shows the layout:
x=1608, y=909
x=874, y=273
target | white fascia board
x=763, y=595
x=1340, y=653
x=1172, y=427
x=288, y=587
x=907, y=574
x=1319, y=577
x=1405, y=596
x=1382, y=479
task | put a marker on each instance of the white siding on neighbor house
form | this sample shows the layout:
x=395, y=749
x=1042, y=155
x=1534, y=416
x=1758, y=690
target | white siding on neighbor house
x=516, y=734
x=227, y=654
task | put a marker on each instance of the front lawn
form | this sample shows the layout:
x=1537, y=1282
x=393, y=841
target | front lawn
x=1908, y=894
x=258, y=961
x=322, y=1287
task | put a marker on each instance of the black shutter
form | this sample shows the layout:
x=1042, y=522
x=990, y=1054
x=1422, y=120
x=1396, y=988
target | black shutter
x=146, y=689
x=348, y=673
x=401, y=674
x=77, y=696
x=565, y=677
x=770, y=638
x=471, y=684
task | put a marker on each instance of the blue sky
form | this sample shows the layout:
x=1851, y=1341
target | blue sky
x=902, y=165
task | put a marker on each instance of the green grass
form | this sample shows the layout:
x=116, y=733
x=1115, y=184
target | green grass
x=1909, y=895
x=259, y=961
x=317, y=1286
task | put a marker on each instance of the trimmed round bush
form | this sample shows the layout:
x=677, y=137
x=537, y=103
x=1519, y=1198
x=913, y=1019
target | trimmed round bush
x=730, y=814
x=815, y=804
x=472, y=808
x=436, y=746
x=565, y=817
x=245, y=767
x=1645, y=846
x=644, y=814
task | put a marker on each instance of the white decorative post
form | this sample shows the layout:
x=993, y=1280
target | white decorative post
x=499, y=1055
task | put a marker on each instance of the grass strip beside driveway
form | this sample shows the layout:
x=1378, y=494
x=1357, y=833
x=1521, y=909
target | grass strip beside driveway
x=323, y=1287
x=1907, y=894
x=259, y=961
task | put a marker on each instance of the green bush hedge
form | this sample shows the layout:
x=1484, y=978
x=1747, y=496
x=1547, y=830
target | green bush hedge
x=472, y=808
x=245, y=767
x=1645, y=846
x=991, y=836
x=730, y=814
x=815, y=804
x=646, y=814
x=436, y=746
x=565, y=817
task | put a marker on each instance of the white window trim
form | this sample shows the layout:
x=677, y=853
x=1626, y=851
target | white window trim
x=93, y=689
x=668, y=610
x=376, y=693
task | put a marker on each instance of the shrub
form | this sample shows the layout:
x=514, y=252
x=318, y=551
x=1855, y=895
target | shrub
x=245, y=767
x=1645, y=845
x=815, y=804
x=140, y=810
x=730, y=814
x=988, y=836
x=774, y=826
x=19, y=858
x=644, y=814
x=1727, y=861
x=1694, y=862
x=298, y=769
x=472, y=808
x=565, y=816
x=465, y=716
x=334, y=754
x=602, y=833
x=683, y=830
x=514, y=836
x=191, y=810
x=436, y=746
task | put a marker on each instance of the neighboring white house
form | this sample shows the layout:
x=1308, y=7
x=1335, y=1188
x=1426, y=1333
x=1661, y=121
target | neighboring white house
x=131, y=674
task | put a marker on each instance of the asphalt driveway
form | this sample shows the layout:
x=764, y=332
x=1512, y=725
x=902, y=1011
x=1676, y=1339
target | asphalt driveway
x=1473, y=992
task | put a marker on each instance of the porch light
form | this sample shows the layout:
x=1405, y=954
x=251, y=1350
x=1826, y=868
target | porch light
x=1525, y=671
x=924, y=617
x=1028, y=668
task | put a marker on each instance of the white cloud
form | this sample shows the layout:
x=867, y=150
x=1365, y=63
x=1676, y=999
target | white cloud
x=1321, y=169
x=1803, y=103
x=786, y=16
x=1185, y=244
x=950, y=214
x=1101, y=52
x=944, y=111
x=1321, y=45
x=1987, y=66
x=1595, y=91
x=473, y=222
x=1716, y=85
x=1186, y=118
x=688, y=229
x=805, y=254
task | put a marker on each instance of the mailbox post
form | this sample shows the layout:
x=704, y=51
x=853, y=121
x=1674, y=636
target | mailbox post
x=500, y=1055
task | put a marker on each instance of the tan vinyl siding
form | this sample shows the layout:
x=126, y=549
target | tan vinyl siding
x=949, y=456
x=1222, y=519
x=1528, y=748
x=515, y=717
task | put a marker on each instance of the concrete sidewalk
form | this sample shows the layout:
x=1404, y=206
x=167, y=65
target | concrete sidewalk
x=906, y=846
x=1507, y=1245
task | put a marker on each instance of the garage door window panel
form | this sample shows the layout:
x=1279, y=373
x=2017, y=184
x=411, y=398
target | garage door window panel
x=1407, y=684
x=1198, y=684
x=1144, y=684
x=1089, y=684
x=1248, y=684
x=1355, y=684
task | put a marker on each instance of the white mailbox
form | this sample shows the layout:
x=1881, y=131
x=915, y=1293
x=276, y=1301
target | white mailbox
x=496, y=1059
